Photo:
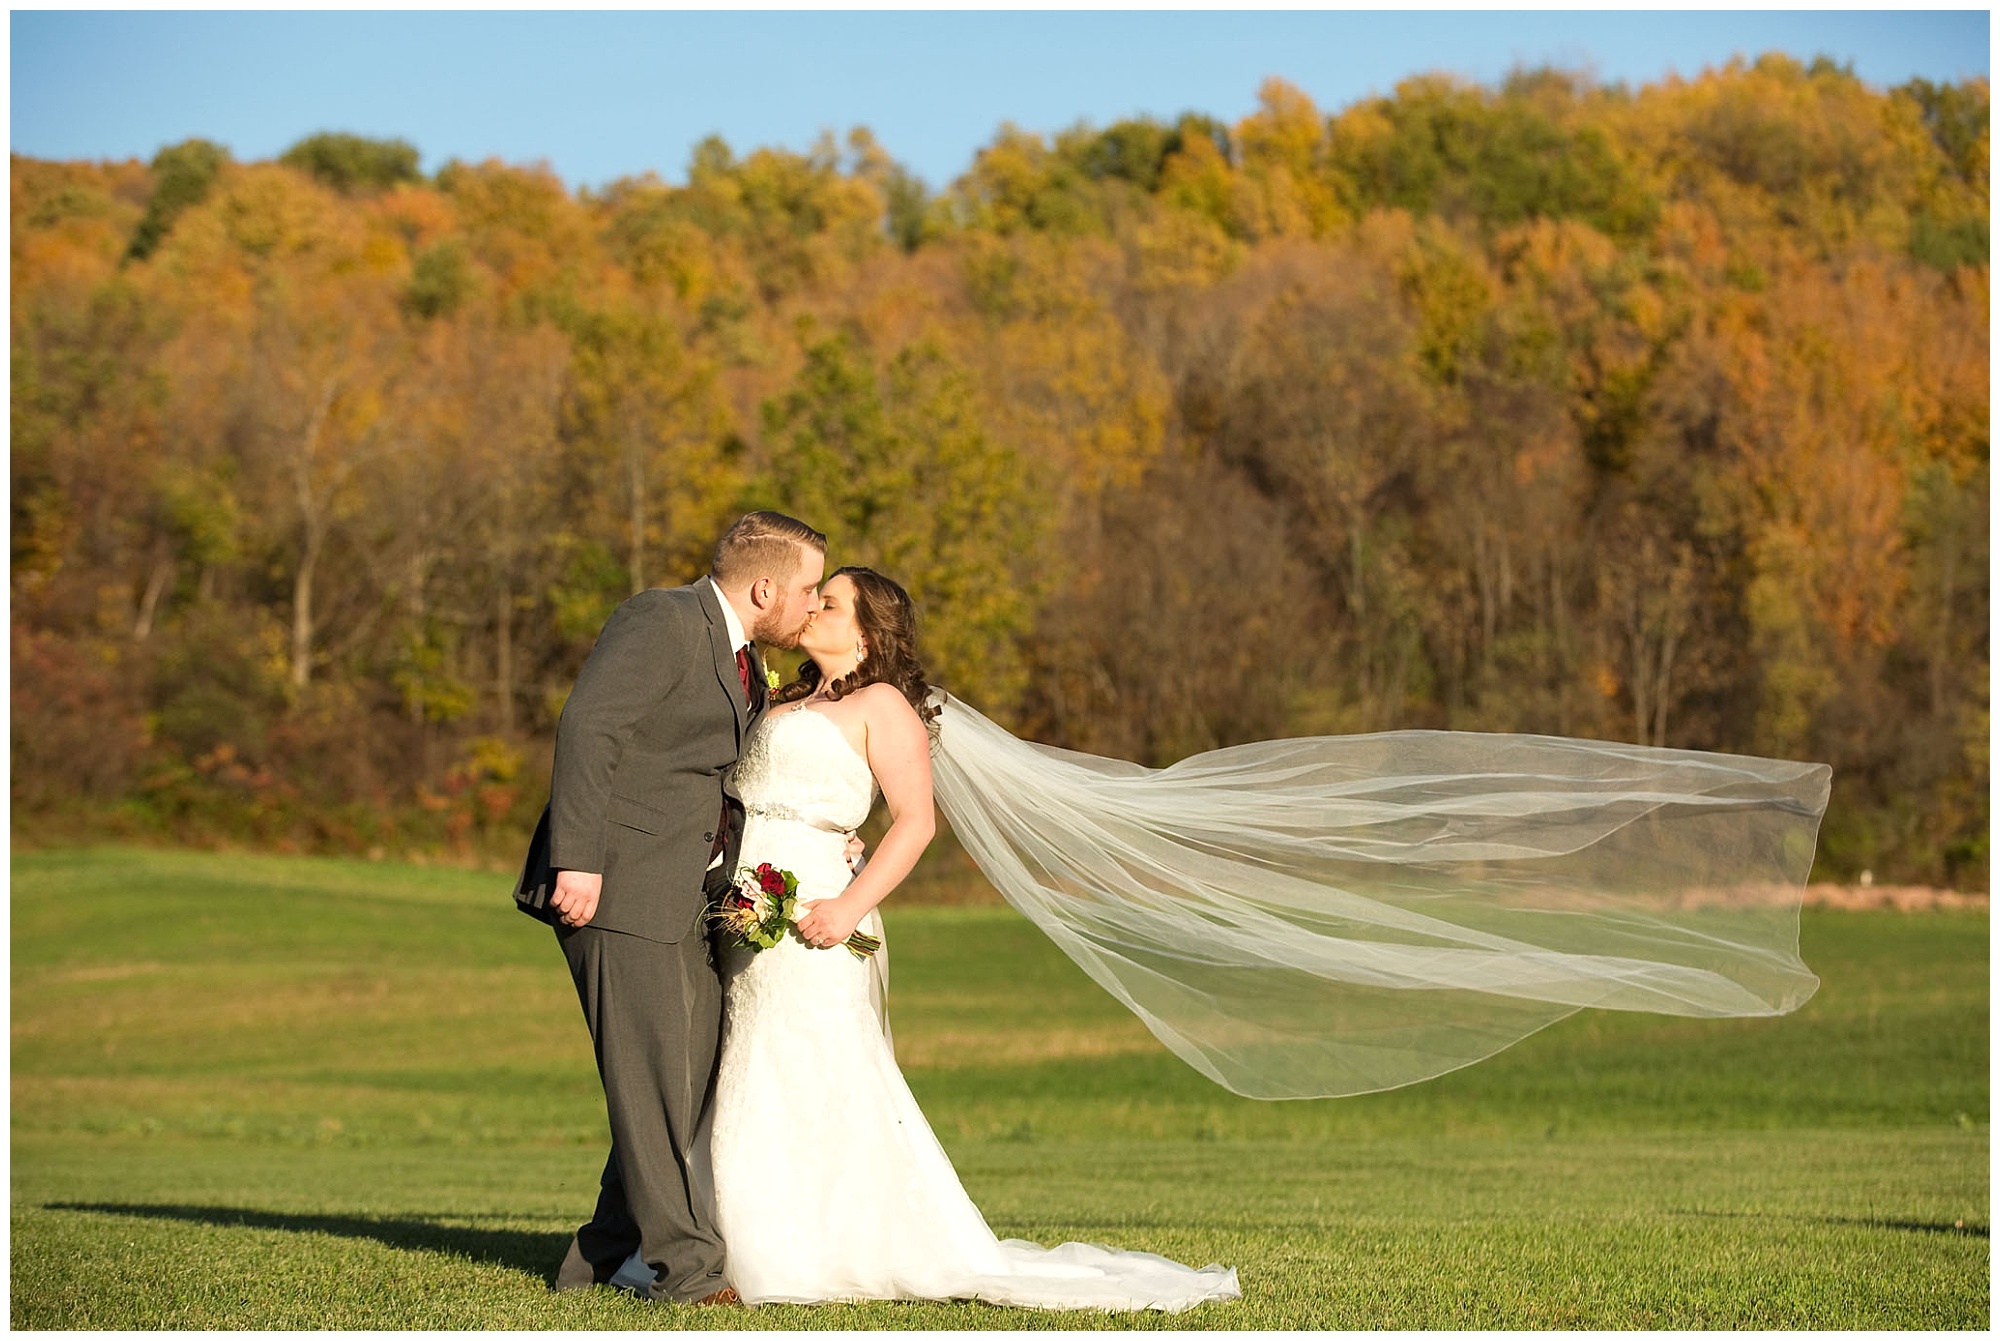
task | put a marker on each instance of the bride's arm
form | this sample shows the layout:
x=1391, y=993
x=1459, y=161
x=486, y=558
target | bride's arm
x=899, y=754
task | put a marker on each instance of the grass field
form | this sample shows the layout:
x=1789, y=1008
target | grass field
x=302, y=1093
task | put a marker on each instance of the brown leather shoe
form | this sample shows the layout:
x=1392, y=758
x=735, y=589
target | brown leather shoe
x=723, y=1296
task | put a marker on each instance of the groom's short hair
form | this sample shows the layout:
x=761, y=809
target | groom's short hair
x=762, y=544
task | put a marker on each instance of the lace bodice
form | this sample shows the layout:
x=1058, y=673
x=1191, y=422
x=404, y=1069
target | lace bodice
x=797, y=766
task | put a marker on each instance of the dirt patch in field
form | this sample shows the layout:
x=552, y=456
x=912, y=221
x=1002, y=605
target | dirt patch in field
x=964, y=891
x=1902, y=898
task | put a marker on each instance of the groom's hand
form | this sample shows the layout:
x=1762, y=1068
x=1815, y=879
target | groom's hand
x=576, y=896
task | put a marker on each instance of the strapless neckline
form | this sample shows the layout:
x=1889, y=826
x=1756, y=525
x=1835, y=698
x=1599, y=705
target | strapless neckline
x=771, y=721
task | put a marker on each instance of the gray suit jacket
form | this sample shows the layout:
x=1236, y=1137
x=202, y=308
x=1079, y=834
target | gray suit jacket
x=644, y=752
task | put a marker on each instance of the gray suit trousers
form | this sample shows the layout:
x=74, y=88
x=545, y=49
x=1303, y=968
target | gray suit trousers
x=655, y=1015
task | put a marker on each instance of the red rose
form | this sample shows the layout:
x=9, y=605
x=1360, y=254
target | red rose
x=772, y=881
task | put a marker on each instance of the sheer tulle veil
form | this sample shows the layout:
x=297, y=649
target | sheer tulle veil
x=1338, y=914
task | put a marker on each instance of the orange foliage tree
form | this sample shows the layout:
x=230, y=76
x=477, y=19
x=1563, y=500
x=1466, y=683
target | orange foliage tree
x=1656, y=414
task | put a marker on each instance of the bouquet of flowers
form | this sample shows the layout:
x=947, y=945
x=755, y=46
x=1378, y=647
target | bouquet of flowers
x=764, y=906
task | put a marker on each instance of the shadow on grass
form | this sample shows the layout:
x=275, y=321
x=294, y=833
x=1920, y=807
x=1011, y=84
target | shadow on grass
x=523, y=1250
x=1912, y=1226
x=1957, y=1228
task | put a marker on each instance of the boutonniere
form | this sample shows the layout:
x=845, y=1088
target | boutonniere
x=771, y=680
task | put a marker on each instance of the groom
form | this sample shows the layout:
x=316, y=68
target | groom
x=639, y=837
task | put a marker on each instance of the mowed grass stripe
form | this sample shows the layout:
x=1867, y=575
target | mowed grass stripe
x=285, y=1092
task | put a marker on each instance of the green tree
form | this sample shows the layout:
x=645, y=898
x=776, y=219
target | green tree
x=1958, y=117
x=898, y=468
x=1132, y=151
x=644, y=410
x=440, y=280
x=1018, y=184
x=183, y=174
x=1440, y=146
x=352, y=164
x=911, y=217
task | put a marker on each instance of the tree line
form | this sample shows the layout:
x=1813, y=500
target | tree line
x=1654, y=414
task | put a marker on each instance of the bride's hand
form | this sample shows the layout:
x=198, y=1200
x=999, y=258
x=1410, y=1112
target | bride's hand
x=828, y=922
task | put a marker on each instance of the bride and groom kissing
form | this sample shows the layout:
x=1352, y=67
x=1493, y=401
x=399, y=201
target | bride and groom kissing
x=1298, y=918
x=764, y=1146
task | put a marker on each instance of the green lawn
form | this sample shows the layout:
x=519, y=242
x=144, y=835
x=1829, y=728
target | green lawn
x=294, y=1092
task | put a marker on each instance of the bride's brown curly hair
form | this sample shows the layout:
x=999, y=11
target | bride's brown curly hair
x=888, y=619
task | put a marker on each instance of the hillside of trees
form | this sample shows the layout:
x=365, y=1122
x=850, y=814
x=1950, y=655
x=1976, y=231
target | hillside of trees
x=1654, y=414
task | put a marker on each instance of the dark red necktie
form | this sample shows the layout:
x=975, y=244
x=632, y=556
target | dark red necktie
x=743, y=673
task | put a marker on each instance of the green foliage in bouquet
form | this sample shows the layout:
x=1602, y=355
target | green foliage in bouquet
x=760, y=910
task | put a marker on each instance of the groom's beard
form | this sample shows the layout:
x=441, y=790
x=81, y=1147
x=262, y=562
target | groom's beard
x=770, y=634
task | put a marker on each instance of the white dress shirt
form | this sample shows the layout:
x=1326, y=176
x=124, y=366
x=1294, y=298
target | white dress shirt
x=738, y=640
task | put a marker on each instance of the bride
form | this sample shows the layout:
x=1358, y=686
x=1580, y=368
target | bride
x=1293, y=918
x=828, y=1184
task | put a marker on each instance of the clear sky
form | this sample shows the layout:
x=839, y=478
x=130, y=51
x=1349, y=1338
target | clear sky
x=604, y=95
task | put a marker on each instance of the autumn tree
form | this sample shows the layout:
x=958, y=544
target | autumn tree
x=1656, y=413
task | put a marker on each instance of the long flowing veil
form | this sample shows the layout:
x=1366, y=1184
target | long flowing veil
x=1339, y=914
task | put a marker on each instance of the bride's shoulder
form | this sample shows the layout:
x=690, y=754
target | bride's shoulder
x=898, y=748
x=882, y=697
x=884, y=706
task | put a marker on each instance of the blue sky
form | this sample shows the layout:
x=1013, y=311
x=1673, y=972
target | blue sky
x=604, y=95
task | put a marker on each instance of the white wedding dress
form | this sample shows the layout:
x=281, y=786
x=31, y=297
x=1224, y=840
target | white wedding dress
x=1295, y=918
x=827, y=1181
